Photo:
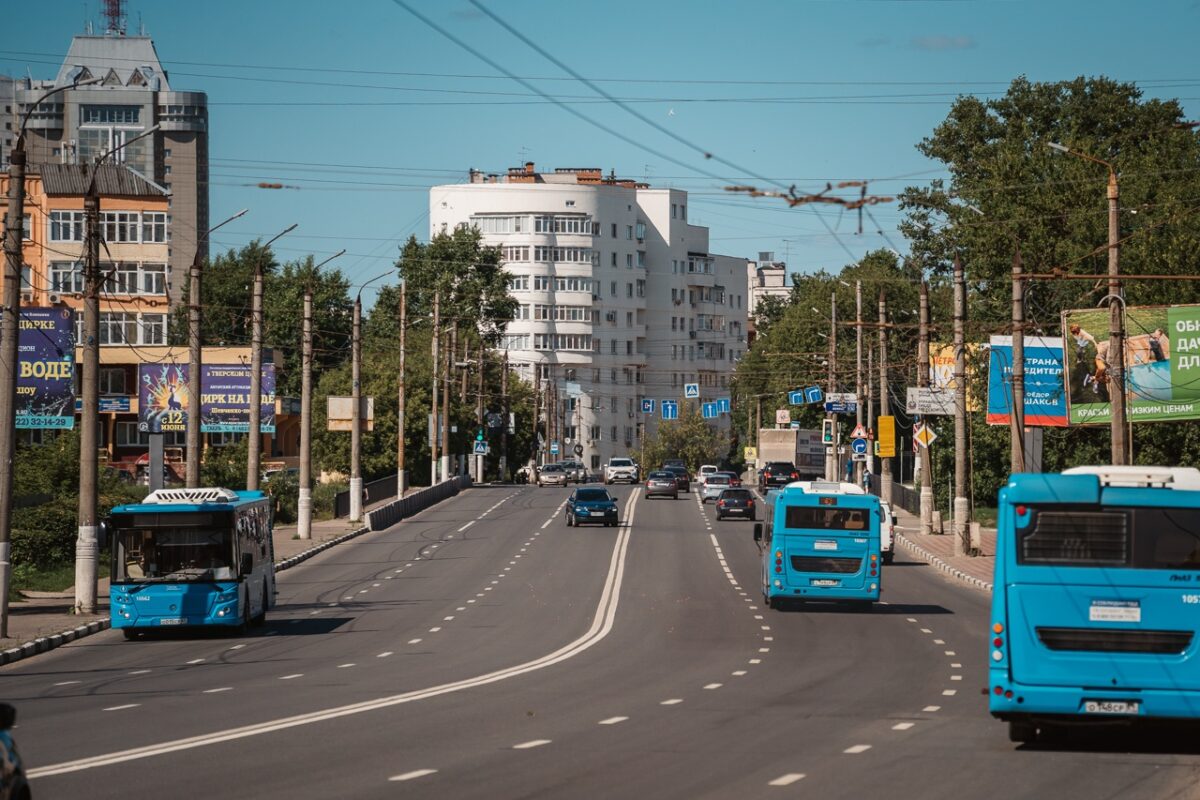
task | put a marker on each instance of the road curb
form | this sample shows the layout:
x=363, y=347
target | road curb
x=937, y=562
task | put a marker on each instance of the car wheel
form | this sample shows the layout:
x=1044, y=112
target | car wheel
x=568, y=520
x=720, y=517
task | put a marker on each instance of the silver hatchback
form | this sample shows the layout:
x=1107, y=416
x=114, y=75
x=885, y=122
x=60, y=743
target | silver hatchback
x=713, y=487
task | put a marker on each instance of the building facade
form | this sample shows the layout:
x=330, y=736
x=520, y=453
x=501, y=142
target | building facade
x=767, y=278
x=620, y=299
x=132, y=95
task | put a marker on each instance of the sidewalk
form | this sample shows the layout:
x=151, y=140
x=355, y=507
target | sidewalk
x=938, y=550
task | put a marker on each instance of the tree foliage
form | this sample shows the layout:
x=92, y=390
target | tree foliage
x=689, y=437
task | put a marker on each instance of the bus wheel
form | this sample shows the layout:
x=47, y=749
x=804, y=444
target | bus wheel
x=775, y=603
x=130, y=633
x=1021, y=732
x=261, y=619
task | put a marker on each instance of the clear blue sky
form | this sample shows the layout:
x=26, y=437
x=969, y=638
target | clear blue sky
x=364, y=107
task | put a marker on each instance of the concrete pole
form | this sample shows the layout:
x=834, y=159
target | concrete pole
x=885, y=471
x=858, y=372
x=86, y=546
x=479, y=465
x=538, y=403
x=831, y=462
x=505, y=411
x=923, y=382
x=434, y=415
x=9, y=334
x=356, y=413
x=254, y=445
x=401, y=477
x=871, y=423
x=447, y=375
x=304, y=526
x=962, y=463
x=1121, y=446
x=1017, y=418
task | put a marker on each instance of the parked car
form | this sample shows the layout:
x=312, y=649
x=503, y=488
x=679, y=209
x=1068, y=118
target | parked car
x=551, y=475
x=737, y=503
x=704, y=471
x=683, y=481
x=13, y=785
x=887, y=532
x=735, y=480
x=713, y=487
x=620, y=469
x=662, y=483
x=778, y=473
x=586, y=506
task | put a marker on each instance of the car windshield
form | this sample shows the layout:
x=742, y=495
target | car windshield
x=676, y=470
x=620, y=462
x=718, y=480
x=735, y=494
x=173, y=554
x=780, y=466
x=552, y=468
x=591, y=495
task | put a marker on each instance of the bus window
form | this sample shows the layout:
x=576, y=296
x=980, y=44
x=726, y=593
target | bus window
x=825, y=518
x=149, y=554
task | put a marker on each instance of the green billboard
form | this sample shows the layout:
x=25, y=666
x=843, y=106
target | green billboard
x=1162, y=364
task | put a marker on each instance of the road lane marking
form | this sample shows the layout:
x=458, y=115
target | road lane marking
x=196, y=661
x=713, y=685
x=612, y=720
x=856, y=749
x=67, y=683
x=768, y=638
x=218, y=690
x=903, y=726
x=377, y=585
x=464, y=527
x=787, y=780
x=951, y=653
x=346, y=666
x=460, y=608
x=414, y=641
x=738, y=672
x=674, y=701
x=239, y=646
x=949, y=692
x=434, y=630
x=910, y=619
x=956, y=677
x=384, y=654
x=531, y=744
x=602, y=624
x=139, y=672
x=290, y=677
x=938, y=641
x=755, y=661
x=764, y=649
x=931, y=709
x=447, y=619
x=416, y=773
x=956, y=666
x=926, y=630
x=122, y=708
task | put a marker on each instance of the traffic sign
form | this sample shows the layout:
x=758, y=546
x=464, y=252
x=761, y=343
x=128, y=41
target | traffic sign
x=796, y=397
x=481, y=448
x=495, y=419
x=839, y=407
x=578, y=449
x=929, y=401
x=924, y=435
x=859, y=446
x=842, y=397
x=709, y=410
x=813, y=394
x=783, y=416
x=691, y=391
x=670, y=409
x=860, y=432
x=723, y=405
x=647, y=406
x=554, y=448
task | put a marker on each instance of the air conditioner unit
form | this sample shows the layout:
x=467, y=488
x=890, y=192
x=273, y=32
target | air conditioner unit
x=54, y=298
x=26, y=298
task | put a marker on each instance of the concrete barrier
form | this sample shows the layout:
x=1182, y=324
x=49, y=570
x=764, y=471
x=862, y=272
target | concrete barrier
x=388, y=515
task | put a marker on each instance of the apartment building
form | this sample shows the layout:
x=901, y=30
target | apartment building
x=620, y=298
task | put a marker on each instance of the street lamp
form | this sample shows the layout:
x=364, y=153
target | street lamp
x=356, y=402
x=194, y=345
x=1116, y=306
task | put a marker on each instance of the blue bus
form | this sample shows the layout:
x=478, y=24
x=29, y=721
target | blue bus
x=820, y=542
x=191, y=557
x=1096, y=599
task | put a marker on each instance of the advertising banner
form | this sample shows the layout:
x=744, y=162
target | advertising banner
x=225, y=398
x=163, y=398
x=46, y=366
x=941, y=372
x=1162, y=364
x=1045, y=395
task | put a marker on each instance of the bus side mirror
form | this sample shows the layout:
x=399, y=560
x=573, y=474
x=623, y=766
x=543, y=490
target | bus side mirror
x=247, y=563
x=758, y=532
x=8, y=716
x=103, y=532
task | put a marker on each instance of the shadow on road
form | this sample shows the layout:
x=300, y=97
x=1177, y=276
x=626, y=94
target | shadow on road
x=818, y=607
x=1143, y=738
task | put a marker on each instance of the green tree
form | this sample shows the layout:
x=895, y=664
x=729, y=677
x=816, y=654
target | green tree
x=689, y=437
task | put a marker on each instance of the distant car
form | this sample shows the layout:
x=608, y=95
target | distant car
x=683, y=481
x=778, y=473
x=704, y=471
x=586, y=506
x=887, y=533
x=13, y=785
x=551, y=475
x=620, y=469
x=735, y=480
x=713, y=487
x=674, y=462
x=576, y=471
x=736, y=503
x=661, y=483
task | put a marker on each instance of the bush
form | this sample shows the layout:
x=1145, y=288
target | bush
x=323, y=499
x=44, y=536
x=284, y=488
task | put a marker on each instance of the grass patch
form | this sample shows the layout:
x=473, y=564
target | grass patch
x=985, y=517
x=53, y=579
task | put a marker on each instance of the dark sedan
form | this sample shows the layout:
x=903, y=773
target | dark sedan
x=661, y=483
x=736, y=503
x=591, y=506
x=683, y=480
x=778, y=473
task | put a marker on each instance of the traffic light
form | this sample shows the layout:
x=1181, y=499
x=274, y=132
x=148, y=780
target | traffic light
x=827, y=432
x=479, y=435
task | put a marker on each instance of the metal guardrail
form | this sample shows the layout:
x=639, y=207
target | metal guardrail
x=372, y=492
x=388, y=515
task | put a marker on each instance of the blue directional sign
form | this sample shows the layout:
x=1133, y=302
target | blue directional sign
x=691, y=391
x=723, y=405
x=709, y=410
x=647, y=406
x=859, y=446
x=813, y=394
x=554, y=448
x=796, y=397
x=840, y=408
x=670, y=409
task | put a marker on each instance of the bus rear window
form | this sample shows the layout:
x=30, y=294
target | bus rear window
x=826, y=518
x=1142, y=538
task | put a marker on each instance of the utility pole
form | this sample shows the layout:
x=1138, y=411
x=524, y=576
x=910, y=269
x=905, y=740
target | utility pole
x=962, y=476
x=86, y=546
x=479, y=410
x=447, y=376
x=504, y=430
x=831, y=461
x=538, y=403
x=1017, y=417
x=434, y=415
x=254, y=445
x=304, y=526
x=401, y=478
x=356, y=412
x=923, y=383
x=885, y=471
x=871, y=421
x=1121, y=446
x=858, y=372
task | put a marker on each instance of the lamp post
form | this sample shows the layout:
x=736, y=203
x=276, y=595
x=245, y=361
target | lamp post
x=1116, y=306
x=194, y=345
x=356, y=402
x=9, y=331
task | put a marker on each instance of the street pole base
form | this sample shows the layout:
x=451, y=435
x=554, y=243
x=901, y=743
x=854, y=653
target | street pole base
x=304, y=510
x=926, y=510
x=962, y=527
x=356, y=499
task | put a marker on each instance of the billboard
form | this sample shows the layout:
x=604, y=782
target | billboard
x=941, y=372
x=163, y=398
x=1162, y=364
x=46, y=367
x=225, y=398
x=1045, y=395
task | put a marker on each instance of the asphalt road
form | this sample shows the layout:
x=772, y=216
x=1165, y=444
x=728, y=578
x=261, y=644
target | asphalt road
x=484, y=649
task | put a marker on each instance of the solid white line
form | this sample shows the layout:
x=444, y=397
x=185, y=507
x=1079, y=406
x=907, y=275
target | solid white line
x=602, y=625
x=856, y=749
x=786, y=780
x=416, y=773
x=290, y=677
x=529, y=745
x=346, y=666
x=67, y=683
x=903, y=726
x=674, y=701
x=931, y=709
x=612, y=720
x=196, y=661
x=221, y=689
x=121, y=708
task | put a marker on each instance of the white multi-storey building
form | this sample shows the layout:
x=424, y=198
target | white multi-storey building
x=620, y=298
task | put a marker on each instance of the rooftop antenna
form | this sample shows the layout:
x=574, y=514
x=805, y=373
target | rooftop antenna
x=114, y=16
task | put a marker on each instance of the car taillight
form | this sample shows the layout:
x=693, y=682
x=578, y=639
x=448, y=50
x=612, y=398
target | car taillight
x=795, y=475
x=779, y=561
x=750, y=504
x=721, y=503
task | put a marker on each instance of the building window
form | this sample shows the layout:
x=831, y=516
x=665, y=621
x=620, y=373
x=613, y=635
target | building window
x=614, y=259
x=612, y=348
x=515, y=341
x=629, y=232
x=641, y=231
x=154, y=226
x=66, y=276
x=612, y=288
x=154, y=278
x=154, y=329
x=674, y=210
x=628, y=349
x=118, y=328
x=641, y=288
x=518, y=283
x=629, y=260
x=494, y=224
x=629, y=290
x=516, y=253
x=614, y=230
x=66, y=226
x=119, y=226
x=112, y=381
x=641, y=258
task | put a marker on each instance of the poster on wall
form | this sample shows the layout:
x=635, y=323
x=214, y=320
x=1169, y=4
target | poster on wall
x=225, y=398
x=1045, y=396
x=46, y=368
x=1162, y=364
x=163, y=398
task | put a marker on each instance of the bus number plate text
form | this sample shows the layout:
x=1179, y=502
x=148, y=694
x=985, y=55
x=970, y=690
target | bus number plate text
x=171, y=621
x=824, y=545
x=1110, y=707
x=823, y=582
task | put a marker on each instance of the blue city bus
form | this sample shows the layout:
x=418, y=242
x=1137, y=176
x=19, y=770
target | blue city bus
x=1096, y=605
x=820, y=542
x=192, y=558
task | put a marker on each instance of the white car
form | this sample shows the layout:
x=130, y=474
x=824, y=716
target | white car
x=620, y=469
x=887, y=533
x=705, y=471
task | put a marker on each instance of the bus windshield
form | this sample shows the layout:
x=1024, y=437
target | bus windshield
x=173, y=554
x=826, y=518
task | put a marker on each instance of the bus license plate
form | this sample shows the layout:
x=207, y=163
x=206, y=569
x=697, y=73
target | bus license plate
x=823, y=582
x=1110, y=706
x=171, y=621
x=824, y=545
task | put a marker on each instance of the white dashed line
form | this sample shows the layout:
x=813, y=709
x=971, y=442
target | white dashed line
x=764, y=649
x=674, y=701
x=464, y=527
x=738, y=672
x=460, y=608
x=447, y=619
x=532, y=744
x=67, y=683
x=949, y=692
x=434, y=630
x=768, y=638
x=384, y=654
x=903, y=726
x=346, y=666
x=713, y=685
x=910, y=619
x=290, y=677
x=956, y=666
x=938, y=641
x=414, y=641
x=218, y=690
x=122, y=708
x=931, y=709
x=377, y=585
x=951, y=653
x=755, y=661
x=926, y=630
x=856, y=749
x=786, y=780
x=416, y=773
x=612, y=720
x=237, y=647
x=196, y=661
x=139, y=672
x=956, y=677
